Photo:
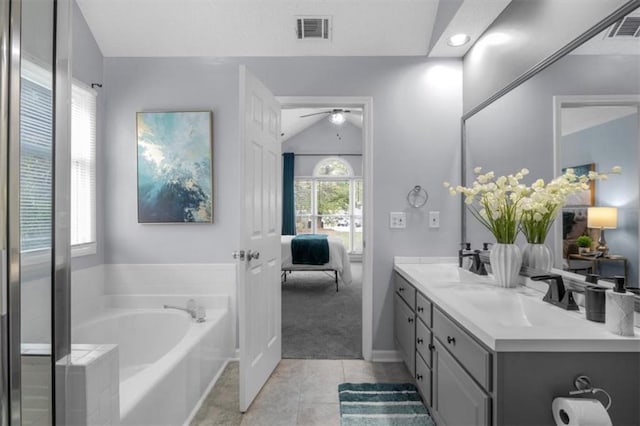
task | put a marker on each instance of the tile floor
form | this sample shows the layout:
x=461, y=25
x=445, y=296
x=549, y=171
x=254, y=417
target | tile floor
x=299, y=392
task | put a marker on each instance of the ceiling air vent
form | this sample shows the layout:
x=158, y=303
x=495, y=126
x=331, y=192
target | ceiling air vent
x=627, y=27
x=313, y=28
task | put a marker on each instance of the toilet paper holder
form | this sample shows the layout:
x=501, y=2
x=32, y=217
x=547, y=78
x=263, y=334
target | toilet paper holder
x=583, y=385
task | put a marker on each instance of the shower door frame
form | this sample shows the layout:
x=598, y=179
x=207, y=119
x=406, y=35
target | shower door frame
x=10, y=29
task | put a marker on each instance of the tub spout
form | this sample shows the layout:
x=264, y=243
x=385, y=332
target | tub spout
x=196, y=312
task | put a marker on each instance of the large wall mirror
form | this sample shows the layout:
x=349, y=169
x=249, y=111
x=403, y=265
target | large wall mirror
x=581, y=111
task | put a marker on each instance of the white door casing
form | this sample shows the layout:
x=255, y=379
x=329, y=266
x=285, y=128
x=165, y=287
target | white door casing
x=259, y=292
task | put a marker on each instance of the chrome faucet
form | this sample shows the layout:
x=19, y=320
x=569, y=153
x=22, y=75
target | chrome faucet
x=196, y=312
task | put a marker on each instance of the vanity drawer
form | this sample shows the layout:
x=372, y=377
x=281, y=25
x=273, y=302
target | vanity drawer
x=423, y=309
x=473, y=357
x=423, y=341
x=423, y=379
x=405, y=290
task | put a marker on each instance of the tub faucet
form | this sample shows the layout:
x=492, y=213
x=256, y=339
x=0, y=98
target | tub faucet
x=196, y=312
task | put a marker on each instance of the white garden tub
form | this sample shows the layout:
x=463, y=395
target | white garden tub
x=167, y=360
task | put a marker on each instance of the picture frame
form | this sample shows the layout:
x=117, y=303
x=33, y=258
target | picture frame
x=175, y=166
x=583, y=198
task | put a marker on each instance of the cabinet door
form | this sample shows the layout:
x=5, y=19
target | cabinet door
x=423, y=379
x=405, y=333
x=457, y=399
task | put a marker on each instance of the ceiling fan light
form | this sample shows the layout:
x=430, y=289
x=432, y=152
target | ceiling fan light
x=458, y=40
x=337, y=118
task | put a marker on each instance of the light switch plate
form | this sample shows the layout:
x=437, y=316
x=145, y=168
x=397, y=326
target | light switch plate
x=397, y=220
x=434, y=219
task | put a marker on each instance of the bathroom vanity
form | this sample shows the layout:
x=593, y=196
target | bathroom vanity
x=484, y=355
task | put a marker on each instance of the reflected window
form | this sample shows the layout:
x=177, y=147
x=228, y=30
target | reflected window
x=36, y=157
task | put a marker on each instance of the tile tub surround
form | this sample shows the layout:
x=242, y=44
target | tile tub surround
x=93, y=385
x=519, y=319
x=299, y=392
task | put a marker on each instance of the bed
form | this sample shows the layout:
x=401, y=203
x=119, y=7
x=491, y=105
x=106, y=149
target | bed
x=338, y=260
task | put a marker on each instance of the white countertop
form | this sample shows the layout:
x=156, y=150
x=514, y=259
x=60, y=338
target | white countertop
x=510, y=319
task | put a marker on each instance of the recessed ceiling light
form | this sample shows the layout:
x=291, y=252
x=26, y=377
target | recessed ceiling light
x=458, y=40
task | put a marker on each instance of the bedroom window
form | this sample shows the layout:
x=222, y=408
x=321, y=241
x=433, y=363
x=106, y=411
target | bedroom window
x=330, y=202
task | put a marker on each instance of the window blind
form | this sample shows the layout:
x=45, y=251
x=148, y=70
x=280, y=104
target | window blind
x=83, y=165
x=36, y=113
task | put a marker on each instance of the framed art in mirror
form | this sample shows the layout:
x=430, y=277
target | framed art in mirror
x=175, y=167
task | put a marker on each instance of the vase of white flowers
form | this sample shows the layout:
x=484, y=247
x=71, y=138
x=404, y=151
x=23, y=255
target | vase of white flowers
x=495, y=202
x=505, y=207
x=540, y=207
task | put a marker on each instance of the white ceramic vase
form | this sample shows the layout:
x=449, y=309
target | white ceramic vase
x=537, y=256
x=506, y=261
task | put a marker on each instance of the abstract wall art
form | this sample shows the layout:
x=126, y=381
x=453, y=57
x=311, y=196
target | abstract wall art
x=175, y=167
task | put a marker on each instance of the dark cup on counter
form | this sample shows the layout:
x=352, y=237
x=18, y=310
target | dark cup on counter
x=594, y=303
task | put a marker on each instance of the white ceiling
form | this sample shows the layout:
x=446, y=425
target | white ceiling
x=161, y=28
x=292, y=123
x=258, y=27
x=580, y=118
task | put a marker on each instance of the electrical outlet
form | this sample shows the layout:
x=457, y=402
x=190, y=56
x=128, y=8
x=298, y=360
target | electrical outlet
x=434, y=219
x=397, y=220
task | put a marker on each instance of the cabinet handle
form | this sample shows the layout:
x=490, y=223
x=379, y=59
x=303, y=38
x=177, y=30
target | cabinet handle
x=451, y=340
x=420, y=309
x=410, y=319
x=431, y=347
x=419, y=341
x=419, y=376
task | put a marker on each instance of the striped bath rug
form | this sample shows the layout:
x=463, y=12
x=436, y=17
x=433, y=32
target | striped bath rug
x=378, y=404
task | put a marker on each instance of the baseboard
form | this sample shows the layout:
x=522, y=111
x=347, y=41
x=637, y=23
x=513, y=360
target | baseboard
x=385, y=356
x=205, y=394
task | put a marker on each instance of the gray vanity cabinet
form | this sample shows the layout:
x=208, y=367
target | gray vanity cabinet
x=451, y=370
x=457, y=399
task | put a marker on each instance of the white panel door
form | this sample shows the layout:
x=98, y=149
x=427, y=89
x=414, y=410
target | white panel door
x=259, y=292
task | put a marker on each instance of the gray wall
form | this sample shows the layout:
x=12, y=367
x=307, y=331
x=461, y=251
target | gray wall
x=612, y=144
x=492, y=64
x=321, y=138
x=88, y=66
x=135, y=85
x=518, y=130
x=417, y=107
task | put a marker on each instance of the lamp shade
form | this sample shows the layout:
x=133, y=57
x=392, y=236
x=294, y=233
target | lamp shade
x=602, y=217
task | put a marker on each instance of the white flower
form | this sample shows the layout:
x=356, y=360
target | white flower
x=446, y=184
x=477, y=170
x=616, y=170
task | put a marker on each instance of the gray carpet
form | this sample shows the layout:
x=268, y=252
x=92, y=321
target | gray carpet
x=317, y=322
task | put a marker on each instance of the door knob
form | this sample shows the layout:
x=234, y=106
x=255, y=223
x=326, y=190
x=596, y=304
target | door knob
x=238, y=254
x=253, y=255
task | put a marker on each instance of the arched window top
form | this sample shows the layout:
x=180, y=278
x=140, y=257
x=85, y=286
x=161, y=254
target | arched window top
x=332, y=167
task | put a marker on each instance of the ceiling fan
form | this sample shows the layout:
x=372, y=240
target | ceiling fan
x=336, y=114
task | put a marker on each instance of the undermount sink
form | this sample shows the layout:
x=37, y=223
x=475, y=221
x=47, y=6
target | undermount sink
x=517, y=310
x=451, y=273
